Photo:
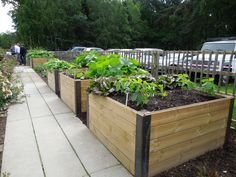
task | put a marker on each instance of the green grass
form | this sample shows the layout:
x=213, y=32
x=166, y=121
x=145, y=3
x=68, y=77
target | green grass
x=230, y=91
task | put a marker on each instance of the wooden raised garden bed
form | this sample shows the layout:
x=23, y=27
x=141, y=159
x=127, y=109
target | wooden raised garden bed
x=74, y=94
x=54, y=81
x=147, y=143
x=37, y=61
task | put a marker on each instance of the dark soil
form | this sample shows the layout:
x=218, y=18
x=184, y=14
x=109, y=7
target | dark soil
x=2, y=129
x=218, y=163
x=2, y=135
x=175, y=98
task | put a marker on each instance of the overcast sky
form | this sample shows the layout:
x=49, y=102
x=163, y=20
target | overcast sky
x=5, y=20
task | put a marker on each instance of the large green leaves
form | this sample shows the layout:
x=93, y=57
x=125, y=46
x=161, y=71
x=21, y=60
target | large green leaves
x=114, y=65
x=56, y=64
x=83, y=59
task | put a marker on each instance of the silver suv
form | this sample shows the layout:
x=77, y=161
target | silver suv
x=213, y=56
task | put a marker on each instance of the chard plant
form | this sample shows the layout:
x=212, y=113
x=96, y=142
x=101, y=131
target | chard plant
x=103, y=86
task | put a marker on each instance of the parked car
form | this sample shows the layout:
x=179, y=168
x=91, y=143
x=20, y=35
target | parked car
x=145, y=56
x=88, y=49
x=213, y=57
x=77, y=49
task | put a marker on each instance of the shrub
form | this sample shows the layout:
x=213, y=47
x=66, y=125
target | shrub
x=41, y=70
x=7, y=67
x=9, y=91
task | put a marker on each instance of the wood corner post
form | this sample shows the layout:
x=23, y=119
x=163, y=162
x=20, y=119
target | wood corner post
x=229, y=121
x=143, y=128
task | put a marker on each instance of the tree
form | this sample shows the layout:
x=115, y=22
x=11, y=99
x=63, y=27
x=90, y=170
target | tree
x=7, y=39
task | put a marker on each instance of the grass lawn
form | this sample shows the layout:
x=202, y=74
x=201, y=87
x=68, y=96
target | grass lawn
x=230, y=91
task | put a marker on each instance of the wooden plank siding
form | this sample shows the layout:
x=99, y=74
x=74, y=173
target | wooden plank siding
x=37, y=61
x=74, y=94
x=68, y=94
x=51, y=81
x=110, y=124
x=186, y=132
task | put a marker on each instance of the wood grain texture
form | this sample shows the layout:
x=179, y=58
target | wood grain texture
x=67, y=86
x=84, y=86
x=116, y=133
x=121, y=110
x=114, y=150
x=51, y=80
x=186, y=132
x=37, y=61
x=181, y=158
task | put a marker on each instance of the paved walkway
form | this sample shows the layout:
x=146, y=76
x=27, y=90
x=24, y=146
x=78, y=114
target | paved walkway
x=45, y=139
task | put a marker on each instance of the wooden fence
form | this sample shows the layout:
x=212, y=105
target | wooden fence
x=66, y=55
x=197, y=64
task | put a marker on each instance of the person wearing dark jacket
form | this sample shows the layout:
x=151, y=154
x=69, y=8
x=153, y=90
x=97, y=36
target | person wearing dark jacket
x=23, y=52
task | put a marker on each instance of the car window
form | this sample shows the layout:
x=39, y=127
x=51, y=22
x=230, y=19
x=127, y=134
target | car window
x=218, y=47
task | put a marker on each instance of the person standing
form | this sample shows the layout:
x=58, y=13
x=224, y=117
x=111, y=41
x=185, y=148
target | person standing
x=23, y=52
x=15, y=50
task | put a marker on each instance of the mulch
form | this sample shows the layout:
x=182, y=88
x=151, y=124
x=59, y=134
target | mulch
x=177, y=97
x=2, y=135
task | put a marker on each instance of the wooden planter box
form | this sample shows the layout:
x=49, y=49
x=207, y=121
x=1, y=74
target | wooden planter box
x=36, y=61
x=74, y=94
x=151, y=142
x=54, y=81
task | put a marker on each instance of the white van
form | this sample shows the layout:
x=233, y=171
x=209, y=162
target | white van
x=217, y=60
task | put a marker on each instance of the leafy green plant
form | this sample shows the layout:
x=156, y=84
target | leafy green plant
x=140, y=87
x=113, y=66
x=56, y=64
x=208, y=86
x=2, y=53
x=39, y=53
x=41, y=70
x=103, y=86
x=7, y=67
x=140, y=90
x=84, y=59
x=168, y=81
x=77, y=73
x=184, y=82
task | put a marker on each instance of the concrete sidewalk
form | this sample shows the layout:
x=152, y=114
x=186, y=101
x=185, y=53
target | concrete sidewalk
x=45, y=139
